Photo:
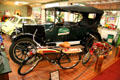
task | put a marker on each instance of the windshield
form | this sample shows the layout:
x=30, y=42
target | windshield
x=50, y=16
x=77, y=17
x=29, y=21
x=13, y=19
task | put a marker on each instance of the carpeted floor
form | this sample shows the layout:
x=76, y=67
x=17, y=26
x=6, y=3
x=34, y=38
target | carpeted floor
x=111, y=73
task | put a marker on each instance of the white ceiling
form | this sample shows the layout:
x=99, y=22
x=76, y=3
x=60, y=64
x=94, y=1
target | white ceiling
x=28, y=2
x=39, y=2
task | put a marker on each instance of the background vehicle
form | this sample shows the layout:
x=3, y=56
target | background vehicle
x=16, y=22
x=82, y=32
x=97, y=49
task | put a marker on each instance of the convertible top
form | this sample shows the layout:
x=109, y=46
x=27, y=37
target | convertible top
x=77, y=8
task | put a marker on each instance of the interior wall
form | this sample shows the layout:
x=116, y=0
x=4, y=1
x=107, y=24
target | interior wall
x=107, y=6
x=36, y=13
x=12, y=9
x=29, y=11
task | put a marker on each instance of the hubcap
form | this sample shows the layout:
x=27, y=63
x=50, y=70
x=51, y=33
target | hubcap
x=21, y=50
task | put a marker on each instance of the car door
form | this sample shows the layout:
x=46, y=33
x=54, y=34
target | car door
x=77, y=33
x=57, y=33
x=63, y=33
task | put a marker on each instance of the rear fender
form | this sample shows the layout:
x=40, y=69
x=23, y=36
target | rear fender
x=21, y=35
x=94, y=35
x=28, y=35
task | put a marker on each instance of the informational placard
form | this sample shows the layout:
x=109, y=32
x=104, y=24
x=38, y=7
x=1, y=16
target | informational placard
x=54, y=75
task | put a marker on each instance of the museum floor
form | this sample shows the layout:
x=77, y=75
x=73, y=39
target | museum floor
x=42, y=71
x=111, y=73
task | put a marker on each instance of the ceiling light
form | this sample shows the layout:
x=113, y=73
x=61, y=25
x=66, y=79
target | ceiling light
x=16, y=3
x=20, y=2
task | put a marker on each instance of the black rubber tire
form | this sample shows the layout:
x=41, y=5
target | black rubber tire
x=35, y=60
x=86, y=58
x=12, y=48
x=67, y=56
x=88, y=45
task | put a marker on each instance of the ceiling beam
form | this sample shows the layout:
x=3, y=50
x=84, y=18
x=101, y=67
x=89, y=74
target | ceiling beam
x=110, y=6
x=78, y=1
x=41, y=1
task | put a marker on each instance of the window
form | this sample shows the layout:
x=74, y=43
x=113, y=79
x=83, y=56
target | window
x=20, y=22
x=13, y=19
x=92, y=16
x=28, y=21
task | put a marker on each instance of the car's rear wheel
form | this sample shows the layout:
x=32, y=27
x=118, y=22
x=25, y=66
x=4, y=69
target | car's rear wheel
x=18, y=50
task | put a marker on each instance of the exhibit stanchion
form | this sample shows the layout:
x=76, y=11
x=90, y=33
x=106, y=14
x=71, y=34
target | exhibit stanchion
x=99, y=63
x=118, y=52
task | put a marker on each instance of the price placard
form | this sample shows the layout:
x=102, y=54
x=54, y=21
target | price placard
x=54, y=75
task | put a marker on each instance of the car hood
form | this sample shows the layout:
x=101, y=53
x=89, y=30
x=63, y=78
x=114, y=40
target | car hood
x=7, y=27
x=9, y=23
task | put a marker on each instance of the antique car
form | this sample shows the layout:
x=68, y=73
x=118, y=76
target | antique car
x=81, y=31
x=16, y=22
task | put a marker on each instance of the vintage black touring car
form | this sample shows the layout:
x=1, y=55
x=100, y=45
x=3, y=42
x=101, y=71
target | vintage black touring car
x=81, y=29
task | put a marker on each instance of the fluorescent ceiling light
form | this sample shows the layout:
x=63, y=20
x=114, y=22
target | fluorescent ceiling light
x=20, y=2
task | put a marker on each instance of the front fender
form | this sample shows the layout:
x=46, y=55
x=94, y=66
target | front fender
x=96, y=34
x=88, y=35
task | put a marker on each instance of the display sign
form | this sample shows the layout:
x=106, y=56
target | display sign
x=63, y=31
x=54, y=75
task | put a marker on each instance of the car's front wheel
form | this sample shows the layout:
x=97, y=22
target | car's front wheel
x=19, y=49
x=90, y=40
